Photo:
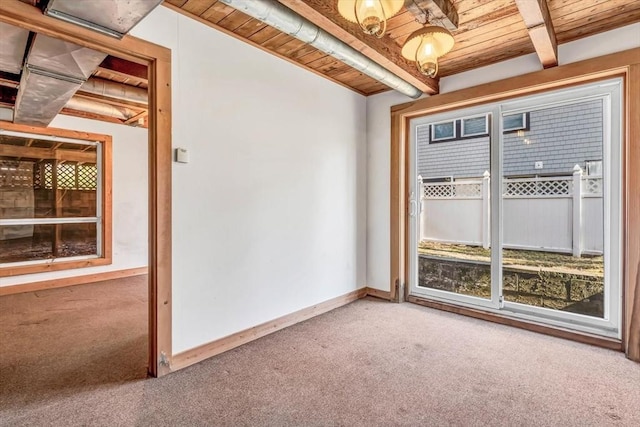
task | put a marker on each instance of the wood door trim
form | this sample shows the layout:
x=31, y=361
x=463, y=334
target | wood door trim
x=158, y=61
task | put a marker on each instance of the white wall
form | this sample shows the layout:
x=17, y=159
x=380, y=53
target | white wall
x=269, y=216
x=379, y=132
x=129, y=200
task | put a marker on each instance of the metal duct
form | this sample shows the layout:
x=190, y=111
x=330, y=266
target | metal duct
x=112, y=17
x=13, y=44
x=6, y=114
x=112, y=89
x=54, y=71
x=41, y=96
x=88, y=106
x=278, y=16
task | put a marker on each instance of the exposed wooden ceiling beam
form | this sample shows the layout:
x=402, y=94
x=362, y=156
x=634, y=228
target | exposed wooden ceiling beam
x=9, y=80
x=383, y=51
x=439, y=10
x=535, y=14
x=137, y=117
x=125, y=68
x=47, y=153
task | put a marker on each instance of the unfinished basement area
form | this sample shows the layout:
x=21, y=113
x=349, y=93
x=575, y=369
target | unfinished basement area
x=319, y=212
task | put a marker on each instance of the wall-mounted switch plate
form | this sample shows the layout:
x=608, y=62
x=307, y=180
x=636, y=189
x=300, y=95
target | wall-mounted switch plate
x=182, y=155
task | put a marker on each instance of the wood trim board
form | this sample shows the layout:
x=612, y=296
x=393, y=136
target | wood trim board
x=107, y=212
x=625, y=64
x=632, y=215
x=71, y=281
x=158, y=62
x=200, y=353
x=377, y=293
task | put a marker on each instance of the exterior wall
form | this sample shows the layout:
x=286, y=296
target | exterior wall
x=560, y=137
x=269, y=215
x=444, y=159
x=379, y=132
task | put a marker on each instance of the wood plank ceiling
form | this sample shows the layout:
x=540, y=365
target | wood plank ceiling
x=489, y=31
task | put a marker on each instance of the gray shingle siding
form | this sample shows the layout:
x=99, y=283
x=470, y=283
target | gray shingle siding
x=560, y=137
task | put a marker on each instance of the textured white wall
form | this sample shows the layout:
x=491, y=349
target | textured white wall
x=130, y=206
x=379, y=132
x=269, y=217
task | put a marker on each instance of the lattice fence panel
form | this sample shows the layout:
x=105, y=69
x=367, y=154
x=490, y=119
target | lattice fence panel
x=67, y=176
x=471, y=189
x=48, y=175
x=16, y=174
x=87, y=177
x=537, y=187
x=452, y=190
x=72, y=176
x=592, y=185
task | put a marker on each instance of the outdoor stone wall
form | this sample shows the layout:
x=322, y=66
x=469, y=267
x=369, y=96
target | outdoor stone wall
x=576, y=293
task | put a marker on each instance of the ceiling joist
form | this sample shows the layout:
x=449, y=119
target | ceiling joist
x=440, y=11
x=382, y=51
x=536, y=17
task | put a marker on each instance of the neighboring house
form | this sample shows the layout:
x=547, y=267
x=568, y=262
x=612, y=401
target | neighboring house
x=545, y=142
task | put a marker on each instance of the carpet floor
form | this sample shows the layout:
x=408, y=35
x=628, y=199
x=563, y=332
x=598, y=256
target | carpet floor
x=76, y=356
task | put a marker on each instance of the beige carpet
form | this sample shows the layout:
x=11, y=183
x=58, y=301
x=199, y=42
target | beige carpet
x=371, y=363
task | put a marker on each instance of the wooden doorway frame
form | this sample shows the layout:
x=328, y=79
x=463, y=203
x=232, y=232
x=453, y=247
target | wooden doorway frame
x=624, y=64
x=158, y=62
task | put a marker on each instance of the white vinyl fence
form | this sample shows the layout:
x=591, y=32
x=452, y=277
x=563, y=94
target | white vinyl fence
x=554, y=214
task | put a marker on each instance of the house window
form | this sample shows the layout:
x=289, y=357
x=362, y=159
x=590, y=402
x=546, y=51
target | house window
x=515, y=122
x=475, y=126
x=443, y=131
x=54, y=202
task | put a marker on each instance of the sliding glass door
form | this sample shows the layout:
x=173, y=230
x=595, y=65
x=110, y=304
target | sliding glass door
x=515, y=207
x=450, y=207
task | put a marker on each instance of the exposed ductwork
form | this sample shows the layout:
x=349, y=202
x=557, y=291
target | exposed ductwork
x=53, y=72
x=112, y=89
x=100, y=108
x=13, y=44
x=111, y=17
x=278, y=16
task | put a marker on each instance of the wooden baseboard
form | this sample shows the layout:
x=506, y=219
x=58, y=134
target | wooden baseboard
x=585, y=338
x=71, y=281
x=198, y=354
x=377, y=293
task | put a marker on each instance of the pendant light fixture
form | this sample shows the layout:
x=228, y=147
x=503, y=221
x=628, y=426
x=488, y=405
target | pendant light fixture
x=371, y=15
x=425, y=46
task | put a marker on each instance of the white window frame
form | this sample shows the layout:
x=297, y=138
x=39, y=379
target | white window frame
x=524, y=123
x=448, y=138
x=486, y=126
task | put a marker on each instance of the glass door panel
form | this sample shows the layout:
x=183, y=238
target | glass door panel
x=451, y=207
x=557, y=206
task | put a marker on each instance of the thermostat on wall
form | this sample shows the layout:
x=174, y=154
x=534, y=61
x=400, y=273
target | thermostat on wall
x=182, y=155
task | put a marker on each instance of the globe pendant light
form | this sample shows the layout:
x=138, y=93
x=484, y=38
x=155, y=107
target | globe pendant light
x=425, y=46
x=371, y=15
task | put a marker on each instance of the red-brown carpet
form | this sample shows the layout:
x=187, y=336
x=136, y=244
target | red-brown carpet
x=76, y=356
